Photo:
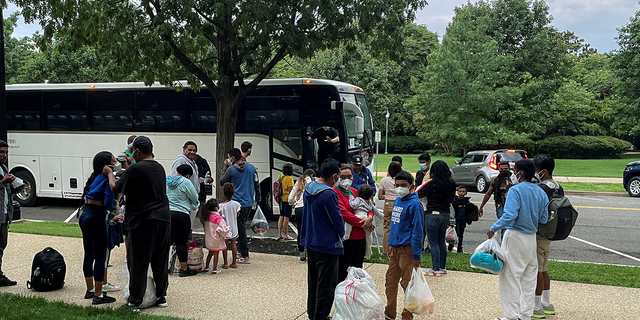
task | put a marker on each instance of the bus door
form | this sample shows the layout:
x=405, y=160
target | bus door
x=286, y=144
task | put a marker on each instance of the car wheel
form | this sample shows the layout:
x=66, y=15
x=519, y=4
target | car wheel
x=481, y=184
x=27, y=195
x=633, y=188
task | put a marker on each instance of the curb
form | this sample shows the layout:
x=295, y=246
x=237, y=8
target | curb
x=596, y=193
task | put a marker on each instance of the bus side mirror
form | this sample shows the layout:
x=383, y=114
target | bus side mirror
x=359, y=127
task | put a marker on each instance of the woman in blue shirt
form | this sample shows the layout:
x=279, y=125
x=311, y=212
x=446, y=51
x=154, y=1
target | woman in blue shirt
x=98, y=200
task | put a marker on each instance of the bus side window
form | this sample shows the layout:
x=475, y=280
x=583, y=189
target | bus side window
x=66, y=110
x=112, y=110
x=203, y=111
x=160, y=110
x=23, y=110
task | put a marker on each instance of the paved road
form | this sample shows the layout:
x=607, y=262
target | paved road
x=609, y=222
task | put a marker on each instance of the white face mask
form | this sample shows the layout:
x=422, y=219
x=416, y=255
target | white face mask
x=345, y=183
x=514, y=179
x=117, y=167
x=402, y=191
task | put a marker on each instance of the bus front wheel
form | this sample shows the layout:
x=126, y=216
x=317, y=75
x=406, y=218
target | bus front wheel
x=267, y=199
x=27, y=195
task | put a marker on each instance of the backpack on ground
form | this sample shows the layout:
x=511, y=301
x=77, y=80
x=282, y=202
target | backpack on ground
x=277, y=189
x=47, y=271
x=562, y=216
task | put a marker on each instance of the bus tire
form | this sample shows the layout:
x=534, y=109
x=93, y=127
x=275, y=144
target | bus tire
x=27, y=195
x=267, y=199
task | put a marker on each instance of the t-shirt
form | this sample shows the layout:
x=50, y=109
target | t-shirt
x=388, y=184
x=145, y=189
x=229, y=212
x=287, y=182
x=321, y=135
x=500, y=188
x=439, y=197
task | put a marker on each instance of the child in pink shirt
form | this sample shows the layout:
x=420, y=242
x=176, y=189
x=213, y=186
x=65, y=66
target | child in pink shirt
x=215, y=232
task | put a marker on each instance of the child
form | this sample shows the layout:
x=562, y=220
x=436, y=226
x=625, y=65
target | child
x=361, y=206
x=459, y=205
x=215, y=232
x=285, y=208
x=229, y=210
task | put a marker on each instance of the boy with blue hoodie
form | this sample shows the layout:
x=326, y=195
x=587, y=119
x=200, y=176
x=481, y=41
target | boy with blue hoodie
x=405, y=242
x=321, y=233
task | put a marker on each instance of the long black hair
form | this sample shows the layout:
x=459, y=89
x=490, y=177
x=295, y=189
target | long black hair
x=101, y=159
x=440, y=174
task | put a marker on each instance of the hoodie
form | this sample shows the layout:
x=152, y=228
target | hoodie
x=322, y=226
x=245, y=181
x=181, y=193
x=195, y=177
x=407, y=224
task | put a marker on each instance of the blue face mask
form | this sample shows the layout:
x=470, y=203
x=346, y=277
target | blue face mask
x=423, y=166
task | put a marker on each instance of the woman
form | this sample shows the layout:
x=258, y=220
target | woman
x=98, y=199
x=388, y=194
x=440, y=191
x=183, y=197
x=296, y=200
x=285, y=208
x=356, y=245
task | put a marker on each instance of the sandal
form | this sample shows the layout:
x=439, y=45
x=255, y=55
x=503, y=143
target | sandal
x=233, y=266
x=225, y=266
x=287, y=237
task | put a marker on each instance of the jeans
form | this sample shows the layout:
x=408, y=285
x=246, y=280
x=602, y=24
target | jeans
x=436, y=225
x=243, y=247
x=499, y=213
x=322, y=278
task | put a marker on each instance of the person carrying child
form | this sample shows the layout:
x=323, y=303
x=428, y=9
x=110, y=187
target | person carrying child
x=405, y=242
x=229, y=210
x=215, y=232
x=459, y=204
x=362, y=205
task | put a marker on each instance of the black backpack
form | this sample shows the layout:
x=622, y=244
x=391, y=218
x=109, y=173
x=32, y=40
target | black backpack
x=47, y=271
x=562, y=215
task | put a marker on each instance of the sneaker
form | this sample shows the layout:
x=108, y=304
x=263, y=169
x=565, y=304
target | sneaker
x=5, y=282
x=549, y=309
x=303, y=257
x=89, y=295
x=131, y=307
x=244, y=260
x=109, y=265
x=102, y=300
x=459, y=249
x=442, y=271
x=430, y=272
x=161, y=302
x=108, y=287
x=538, y=313
x=207, y=270
x=187, y=273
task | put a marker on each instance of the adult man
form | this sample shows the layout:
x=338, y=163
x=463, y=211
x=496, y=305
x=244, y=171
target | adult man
x=499, y=187
x=405, y=242
x=6, y=208
x=321, y=233
x=147, y=222
x=424, y=161
x=203, y=169
x=247, y=192
x=361, y=175
x=544, y=172
x=328, y=143
x=245, y=148
x=188, y=156
x=525, y=207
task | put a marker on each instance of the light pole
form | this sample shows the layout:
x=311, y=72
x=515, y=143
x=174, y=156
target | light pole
x=386, y=133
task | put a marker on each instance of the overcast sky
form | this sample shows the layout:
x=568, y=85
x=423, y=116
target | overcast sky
x=593, y=20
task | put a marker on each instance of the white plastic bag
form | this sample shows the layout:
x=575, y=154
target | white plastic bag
x=149, y=299
x=492, y=247
x=259, y=224
x=488, y=256
x=451, y=236
x=356, y=300
x=418, y=297
x=354, y=273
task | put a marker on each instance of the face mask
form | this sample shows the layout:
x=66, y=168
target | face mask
x=540, y=175
x=505, y=174
x=423, y=166
x=515, y=179
x=402, y=191
x=345, y=183
x=117, y=167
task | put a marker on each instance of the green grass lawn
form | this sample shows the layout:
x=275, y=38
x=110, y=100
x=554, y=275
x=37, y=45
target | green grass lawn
x=20, y=307
x=580, y=272
x=52, y=228
x=605, y=168
x=599, y=187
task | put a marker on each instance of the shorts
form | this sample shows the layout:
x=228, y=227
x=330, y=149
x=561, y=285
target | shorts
x=543, y=248
x=286, y=210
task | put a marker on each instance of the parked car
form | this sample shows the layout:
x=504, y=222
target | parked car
x=631, y=178
x=477, y=168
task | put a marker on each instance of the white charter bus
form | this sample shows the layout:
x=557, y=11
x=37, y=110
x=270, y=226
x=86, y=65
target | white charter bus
x=56, y=129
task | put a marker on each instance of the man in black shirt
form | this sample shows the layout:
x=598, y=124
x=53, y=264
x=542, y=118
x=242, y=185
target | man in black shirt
x=203, y=169
x=328, y=143
x=147, y=222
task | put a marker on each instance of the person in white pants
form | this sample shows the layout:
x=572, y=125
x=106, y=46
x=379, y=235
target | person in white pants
x=525, y=207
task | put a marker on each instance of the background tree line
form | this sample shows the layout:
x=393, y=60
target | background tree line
x=502, y=76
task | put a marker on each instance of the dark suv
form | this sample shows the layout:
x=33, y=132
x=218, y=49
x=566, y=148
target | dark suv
x=631, y=178
x=477, y=168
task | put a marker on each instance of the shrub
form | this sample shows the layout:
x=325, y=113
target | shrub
x=582, y=147
x=406, y=144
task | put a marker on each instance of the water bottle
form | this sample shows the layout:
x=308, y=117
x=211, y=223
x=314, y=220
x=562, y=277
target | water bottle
x=207, y=177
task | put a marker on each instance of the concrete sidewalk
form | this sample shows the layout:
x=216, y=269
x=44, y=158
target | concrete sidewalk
x=274, y=287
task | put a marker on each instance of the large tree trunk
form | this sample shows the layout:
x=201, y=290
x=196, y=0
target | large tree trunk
x=225, y=136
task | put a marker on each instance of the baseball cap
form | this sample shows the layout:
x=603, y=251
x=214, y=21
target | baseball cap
x=356, y=159
x=143, y=144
